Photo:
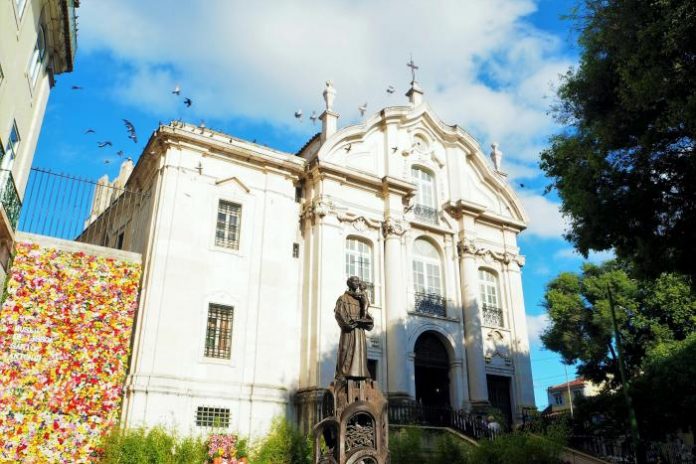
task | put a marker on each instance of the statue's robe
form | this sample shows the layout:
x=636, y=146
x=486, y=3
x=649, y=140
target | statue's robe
x=352, y=346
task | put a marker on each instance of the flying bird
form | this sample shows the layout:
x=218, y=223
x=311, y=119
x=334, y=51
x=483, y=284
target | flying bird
x=107, y=161
x=120, y=153
x=106, y=143
x=131, y=130
x=90, y=131
x=391, y=89
x=188, y=102
x=76, y=87
x=521, y=185
x=362, y=109
x=394, y=149
x=177, y=90
x=298, y=114
x=314, y=117
x=348, y=147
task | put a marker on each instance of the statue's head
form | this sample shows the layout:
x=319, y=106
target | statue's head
x=353, y=283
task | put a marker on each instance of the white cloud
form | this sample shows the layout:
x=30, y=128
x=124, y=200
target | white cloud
x=482, y=65
x=545, y=218
x=536, y=324
x=596, y=257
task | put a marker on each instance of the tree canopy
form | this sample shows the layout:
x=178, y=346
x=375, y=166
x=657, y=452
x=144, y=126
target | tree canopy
x=624, y=166
x=648, y=312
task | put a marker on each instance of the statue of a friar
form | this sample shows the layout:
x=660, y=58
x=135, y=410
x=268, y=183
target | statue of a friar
x=354, y=319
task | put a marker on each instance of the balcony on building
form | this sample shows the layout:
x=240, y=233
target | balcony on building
x=492, y=316
x=431, y=304
x=425, y=213
x=9, y=214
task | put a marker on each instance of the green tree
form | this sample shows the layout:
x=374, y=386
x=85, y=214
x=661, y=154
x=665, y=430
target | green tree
x=624, y=167
x=284, y=444
x=648, y=312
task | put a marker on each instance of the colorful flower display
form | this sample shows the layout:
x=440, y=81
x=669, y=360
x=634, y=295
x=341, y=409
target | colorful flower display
x=223, y=447
x=65, y=330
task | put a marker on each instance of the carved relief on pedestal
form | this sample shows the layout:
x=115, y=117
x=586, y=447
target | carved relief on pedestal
x=496, y=348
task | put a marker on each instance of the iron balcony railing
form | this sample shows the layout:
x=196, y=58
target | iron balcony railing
x=430, y=303
x=492, y=316
x=425, y=213
x=10, y=197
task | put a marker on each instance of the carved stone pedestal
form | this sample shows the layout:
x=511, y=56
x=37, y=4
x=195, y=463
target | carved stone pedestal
x=354, y=428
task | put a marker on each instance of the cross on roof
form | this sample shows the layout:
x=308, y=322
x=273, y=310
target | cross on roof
x=413, y=67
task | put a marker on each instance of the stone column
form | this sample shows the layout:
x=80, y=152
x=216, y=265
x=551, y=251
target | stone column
x=398, y=382
x=459, y=395
x=476, y=365
x=520, y=342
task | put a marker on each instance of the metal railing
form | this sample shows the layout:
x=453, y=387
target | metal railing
x=492, y=316
x=411, y=413
x=425, y=213
x=430, y=303
x=73, y=208
x=9, y=197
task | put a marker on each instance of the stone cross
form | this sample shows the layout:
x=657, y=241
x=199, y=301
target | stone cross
x=413, y=67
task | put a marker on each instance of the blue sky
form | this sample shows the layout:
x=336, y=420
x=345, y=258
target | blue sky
x=488, y=65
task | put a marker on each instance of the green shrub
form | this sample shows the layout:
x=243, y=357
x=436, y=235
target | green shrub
x=154, y=446
x=517, y=448
x=406, y=446
x=284, y=444
x=450, y=450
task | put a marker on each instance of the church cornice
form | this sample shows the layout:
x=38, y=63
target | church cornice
x=470, y=247
x=460, y=208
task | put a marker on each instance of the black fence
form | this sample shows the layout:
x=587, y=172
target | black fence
x=74, y=208
x=471, y=425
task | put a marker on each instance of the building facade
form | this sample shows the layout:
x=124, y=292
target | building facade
x=38, y=39
x=246, y=250
x=562, y=397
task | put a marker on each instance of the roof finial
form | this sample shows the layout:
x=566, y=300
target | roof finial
x=413, y=67
x=415, y=93
x=496, y=156
x=328, y=117
x=329, y=95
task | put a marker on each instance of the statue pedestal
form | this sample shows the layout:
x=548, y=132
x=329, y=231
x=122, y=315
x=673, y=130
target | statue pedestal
x=354, y=426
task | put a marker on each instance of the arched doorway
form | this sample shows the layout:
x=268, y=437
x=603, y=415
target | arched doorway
x=432, y=367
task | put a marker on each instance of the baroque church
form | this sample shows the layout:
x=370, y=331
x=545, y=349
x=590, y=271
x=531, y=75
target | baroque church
x=246, y=248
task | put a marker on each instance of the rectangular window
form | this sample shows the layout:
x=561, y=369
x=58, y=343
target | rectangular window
x=295, y=250
x=11, y=148
x=372, y=368
x=212, y=417
x=218, y=335
x=298, y=194
x=37, y=57
x=228, y=223
x=558, y=398
x=20, y=7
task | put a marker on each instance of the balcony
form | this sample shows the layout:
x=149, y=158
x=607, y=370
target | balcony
x=9, y=198
x=425, y=213
x=492, y=316
x=430, y=303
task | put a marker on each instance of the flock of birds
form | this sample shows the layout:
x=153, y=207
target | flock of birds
x=130, y=127
x=362, y=109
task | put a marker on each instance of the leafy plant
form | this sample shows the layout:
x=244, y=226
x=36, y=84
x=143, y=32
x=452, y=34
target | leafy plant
x=449, y=450
x=518, y=448
x=406, y=446
x=284, y=444
x=154, y=446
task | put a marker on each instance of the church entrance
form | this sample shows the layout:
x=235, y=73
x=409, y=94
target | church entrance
x=432, y=371
x=499, y=396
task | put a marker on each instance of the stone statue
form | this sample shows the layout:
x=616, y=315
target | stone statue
x=353, y=318
x=329, y=95
x=496, y=156
x=353, y=426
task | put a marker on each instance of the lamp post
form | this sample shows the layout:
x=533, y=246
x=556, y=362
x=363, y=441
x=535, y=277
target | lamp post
x=633, y=421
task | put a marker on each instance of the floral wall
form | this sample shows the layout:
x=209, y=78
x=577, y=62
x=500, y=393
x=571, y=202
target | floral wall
x=65, y=330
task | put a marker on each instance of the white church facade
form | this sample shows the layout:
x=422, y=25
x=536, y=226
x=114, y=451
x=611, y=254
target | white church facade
x=246, y=249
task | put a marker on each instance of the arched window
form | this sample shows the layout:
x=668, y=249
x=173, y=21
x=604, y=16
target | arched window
x=425, y=207
x=427, y=278
x=359, y=262
x=490, y=299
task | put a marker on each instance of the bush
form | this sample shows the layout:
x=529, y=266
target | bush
x=154, y=446
x=449, y=450
x=406, y=446
x=284, y=444
x=518, y=448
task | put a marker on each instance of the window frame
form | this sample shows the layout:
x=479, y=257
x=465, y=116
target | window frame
x=218, y=351
x=220, y=243
x=558, y=399
x=37, y=57
x=212, y=410
x=11, y=148
x=428, y=263
x=489, y=291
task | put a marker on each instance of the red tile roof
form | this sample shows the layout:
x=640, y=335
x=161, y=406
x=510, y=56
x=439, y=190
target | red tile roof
x=579, y=382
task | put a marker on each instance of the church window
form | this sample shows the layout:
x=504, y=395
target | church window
x=37, y=56
x=490, y=301
x=359, y=263
x=427, y=278
x=212, y=417
x=218, y=335
x=425, y=207
x=228, y=223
